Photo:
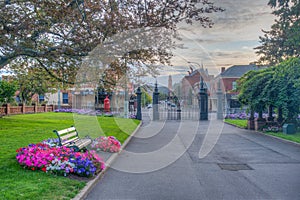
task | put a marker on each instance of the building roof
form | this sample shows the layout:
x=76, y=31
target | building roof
x=237, y=71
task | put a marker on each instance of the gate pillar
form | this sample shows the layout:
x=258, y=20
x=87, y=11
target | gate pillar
x=203, y=101
x=139, y=101
x=155, y=103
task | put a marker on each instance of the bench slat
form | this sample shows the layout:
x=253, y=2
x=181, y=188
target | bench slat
x=61, y=132
x=70, y=140
x=67, y=136
x=84, y=143
x=85, y=140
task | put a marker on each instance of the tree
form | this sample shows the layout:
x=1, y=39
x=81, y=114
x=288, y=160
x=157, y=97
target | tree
x=7, y=91
x=283, y=40
x=277, y=86
x=287, y=75
x=33, y=80
x=60, y=34
x=146, y=97
x=250, y=88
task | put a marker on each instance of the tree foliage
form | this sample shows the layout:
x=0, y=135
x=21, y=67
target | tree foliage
x=283, y=40
x=33, y=80
x=251, y=86
x=146, y=97
x=278, y=86
x=7, y=91
x=287, y=74
x=57, y=35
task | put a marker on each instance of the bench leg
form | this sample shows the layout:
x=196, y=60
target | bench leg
x=76, y=149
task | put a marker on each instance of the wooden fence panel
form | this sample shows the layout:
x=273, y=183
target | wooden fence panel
x=29, y=109
x=16, y=110
x=13, y=110
x=40, y=109
x=2, y=111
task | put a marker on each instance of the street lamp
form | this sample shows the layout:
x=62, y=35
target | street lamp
x=200, y=66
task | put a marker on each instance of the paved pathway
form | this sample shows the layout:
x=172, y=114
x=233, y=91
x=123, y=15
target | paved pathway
x=162, y=162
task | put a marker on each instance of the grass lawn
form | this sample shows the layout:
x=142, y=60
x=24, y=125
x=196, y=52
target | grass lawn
x=20, y=130
x=294, y=137
x=243, y=124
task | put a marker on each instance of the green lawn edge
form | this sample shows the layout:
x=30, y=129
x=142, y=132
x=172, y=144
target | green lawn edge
x=243, y=124
x=237, y=122
x=20, y=130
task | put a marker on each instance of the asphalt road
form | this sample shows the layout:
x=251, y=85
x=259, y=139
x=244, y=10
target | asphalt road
x=162, y=162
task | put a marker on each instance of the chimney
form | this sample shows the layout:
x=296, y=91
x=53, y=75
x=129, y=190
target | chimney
x=222, y=69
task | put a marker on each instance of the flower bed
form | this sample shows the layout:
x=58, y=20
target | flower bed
x=132, y=116
x=48, y=157
x=107, y=144
x=274, y=129
x=237, y=116
x=88, y=112
x=245, y=115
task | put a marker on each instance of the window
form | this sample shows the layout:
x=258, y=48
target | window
x=65, y=98
x=18, y=99
x=234, y=84
x=41, y=98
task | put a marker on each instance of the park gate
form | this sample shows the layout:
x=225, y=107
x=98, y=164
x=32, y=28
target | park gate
x=180, y=108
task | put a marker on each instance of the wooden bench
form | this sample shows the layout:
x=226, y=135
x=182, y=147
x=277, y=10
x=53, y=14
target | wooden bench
x=69, y=138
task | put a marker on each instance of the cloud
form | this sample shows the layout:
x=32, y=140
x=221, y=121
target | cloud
x=248, y=48
x=220, y=54
x=231, y=40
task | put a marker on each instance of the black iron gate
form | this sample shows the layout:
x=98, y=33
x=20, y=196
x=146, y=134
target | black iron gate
x=174, y=108
x=193, y=107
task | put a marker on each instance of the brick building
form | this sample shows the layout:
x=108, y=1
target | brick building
x=190, y=86
x=228, y=79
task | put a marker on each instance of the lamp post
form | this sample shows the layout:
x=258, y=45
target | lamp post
x=200, y=66
x=125, y=101
x=155, y=103
x=58, y=100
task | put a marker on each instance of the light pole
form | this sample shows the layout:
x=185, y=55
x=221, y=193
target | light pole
x=155, y=103
x=200, y=66
x=58, y=100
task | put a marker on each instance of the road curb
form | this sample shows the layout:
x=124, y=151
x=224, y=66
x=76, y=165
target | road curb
x=272, y=136
x=279, y=138
x=90, y=185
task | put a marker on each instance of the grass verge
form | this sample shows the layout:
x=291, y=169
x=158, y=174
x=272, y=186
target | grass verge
x=20, y=130
x=237, y=122
x=243, y=124
x=293, y=137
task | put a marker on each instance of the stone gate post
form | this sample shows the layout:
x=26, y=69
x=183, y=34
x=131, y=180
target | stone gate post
x=203, y=101
x=139, y=102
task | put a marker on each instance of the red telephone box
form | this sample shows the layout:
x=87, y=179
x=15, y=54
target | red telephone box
x=106, y=104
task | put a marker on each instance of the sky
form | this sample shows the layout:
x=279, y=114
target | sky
x=230, y=42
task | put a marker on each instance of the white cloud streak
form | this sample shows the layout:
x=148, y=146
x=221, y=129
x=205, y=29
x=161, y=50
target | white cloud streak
x=231, y=40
